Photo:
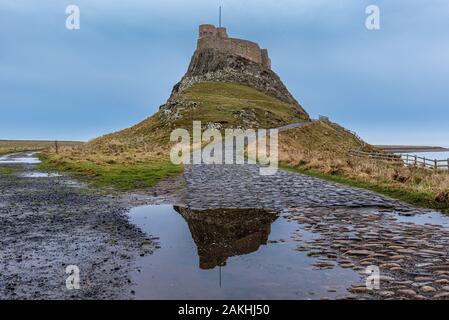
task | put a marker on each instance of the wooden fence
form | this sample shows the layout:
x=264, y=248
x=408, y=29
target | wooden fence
x=413, y=160
x=406, y=159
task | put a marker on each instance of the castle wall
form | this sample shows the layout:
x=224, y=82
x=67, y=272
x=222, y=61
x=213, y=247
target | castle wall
x=211, y=37
x=266, y=61
x=243, y=48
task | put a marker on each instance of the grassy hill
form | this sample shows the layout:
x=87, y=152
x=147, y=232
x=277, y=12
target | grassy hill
x=321, y=146
x=138, y=157
x=328, y=139
x=233, y=105
x=229, y=105
x=321, y=150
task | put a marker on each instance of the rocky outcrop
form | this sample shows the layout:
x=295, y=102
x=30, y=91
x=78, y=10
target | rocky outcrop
x=214, y=65
x=174, y=106
x=223, y=233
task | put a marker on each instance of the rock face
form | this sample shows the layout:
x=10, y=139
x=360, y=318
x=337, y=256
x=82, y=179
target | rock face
x=222, y=59
x=223, y=233
x=214, y=65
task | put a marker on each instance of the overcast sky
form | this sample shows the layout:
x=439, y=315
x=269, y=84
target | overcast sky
x=390, y=85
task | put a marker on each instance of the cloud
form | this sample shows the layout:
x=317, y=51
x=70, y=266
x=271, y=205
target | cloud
x=123, y=62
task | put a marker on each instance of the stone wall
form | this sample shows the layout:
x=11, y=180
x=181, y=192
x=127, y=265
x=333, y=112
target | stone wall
x=243, y=48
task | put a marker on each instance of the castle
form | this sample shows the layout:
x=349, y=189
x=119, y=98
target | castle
x=211, y=37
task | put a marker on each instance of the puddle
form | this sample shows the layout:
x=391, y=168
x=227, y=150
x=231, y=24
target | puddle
x=431, y=218
x=20, y=158
x=229, y=254
x=40, y=175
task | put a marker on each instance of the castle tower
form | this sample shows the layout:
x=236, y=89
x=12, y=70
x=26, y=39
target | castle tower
x=209, y=30
x=221, y=32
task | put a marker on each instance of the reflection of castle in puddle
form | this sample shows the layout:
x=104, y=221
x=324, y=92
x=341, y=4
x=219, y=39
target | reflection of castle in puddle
x=223, y=233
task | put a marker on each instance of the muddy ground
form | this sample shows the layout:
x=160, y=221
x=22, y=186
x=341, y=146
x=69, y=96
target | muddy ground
x=50, y=223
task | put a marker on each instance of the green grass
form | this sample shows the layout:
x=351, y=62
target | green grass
x=221, y=102
x=324, y=137
x=418, y=199
x=11, y=146
x=118, y=176
x=7, y=170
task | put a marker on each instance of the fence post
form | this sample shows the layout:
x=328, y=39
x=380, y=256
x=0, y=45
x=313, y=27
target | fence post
x=448, y=164
x=416, y=160
x=436, y=164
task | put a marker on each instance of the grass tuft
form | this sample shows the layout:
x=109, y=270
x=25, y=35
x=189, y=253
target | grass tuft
x=7, y=170
x=122, y=177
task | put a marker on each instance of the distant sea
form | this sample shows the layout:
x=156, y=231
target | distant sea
x=431, y=155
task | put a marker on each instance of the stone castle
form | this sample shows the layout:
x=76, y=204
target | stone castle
x=219, y=58
x=211, y=37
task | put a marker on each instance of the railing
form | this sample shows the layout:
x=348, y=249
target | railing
x=376, y=156
x=403, y=159
x=406, y=159
x=413, y=160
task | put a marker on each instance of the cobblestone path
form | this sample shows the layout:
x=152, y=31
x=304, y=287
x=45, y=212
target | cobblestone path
x=355, y=228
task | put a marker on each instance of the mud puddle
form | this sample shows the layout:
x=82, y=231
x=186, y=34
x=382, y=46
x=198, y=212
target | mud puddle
x=20, y=158
x=39, y=174
x=229, y=254
x=428, y=218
